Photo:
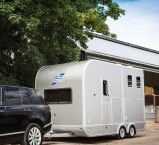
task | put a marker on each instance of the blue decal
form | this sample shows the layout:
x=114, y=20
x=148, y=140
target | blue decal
x=58, y=78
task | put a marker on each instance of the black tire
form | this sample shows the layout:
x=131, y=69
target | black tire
x=122, y=133
x=33, y=133
x=131, y=132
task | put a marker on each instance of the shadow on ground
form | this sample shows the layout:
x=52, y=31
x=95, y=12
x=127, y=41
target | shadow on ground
x=84, y=140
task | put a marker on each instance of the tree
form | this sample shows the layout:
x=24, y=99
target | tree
x=38, y=32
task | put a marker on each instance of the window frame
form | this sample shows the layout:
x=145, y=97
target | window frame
x=129, y=81
x=1, y=95
x=138, y=82
x=105, y=87
x=64, y=102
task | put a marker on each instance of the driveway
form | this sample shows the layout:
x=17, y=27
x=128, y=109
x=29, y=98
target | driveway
x=148, y=137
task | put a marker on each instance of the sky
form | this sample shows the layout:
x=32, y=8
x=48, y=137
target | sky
x=140, y=25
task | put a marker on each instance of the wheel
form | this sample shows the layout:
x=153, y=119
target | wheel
x=122, y=133
x=33, y=135
x=132, y=131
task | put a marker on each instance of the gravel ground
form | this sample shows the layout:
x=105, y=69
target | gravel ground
x=150, y=136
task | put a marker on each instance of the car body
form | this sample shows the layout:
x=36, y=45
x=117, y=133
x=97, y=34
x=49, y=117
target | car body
x=23, y=115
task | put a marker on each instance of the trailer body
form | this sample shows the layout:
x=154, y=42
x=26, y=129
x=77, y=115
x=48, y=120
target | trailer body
x=93, y=98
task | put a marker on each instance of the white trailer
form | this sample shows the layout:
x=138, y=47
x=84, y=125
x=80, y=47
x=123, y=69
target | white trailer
x=94, y=98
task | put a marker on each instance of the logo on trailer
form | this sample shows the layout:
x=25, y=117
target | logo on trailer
x=58, y=79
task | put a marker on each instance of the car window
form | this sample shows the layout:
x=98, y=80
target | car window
x=1, y=95
x=29, y=96
x=12, y=96
x=38, y=94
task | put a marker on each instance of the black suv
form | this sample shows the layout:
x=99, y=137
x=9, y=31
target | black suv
x=24, y=116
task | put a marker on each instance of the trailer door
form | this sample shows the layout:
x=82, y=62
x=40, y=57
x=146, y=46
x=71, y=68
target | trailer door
x=105, y=101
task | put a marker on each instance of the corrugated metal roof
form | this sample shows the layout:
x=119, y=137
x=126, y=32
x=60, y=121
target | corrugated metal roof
x=116, y=51
x=126, y=43
x=108, y=58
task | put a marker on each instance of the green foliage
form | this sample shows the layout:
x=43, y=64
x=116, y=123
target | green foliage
x=8, y=80
x=38, y=32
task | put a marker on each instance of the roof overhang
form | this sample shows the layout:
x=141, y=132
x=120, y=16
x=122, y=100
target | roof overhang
x=112, y=50
x=119, y=60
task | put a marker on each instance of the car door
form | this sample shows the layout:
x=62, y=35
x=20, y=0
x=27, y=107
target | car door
x=26, y=94
x=14, y=110
x=2, y=114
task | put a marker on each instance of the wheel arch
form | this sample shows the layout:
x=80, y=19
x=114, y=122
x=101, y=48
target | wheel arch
x=39, y=122
x=119, y=126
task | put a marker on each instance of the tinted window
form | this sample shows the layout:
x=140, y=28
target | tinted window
x=105, y=88
x=138, y=82
x=58, y=96
x=12, y=96
x=1, y=95
x=29, y=96
x=40, y=97
x=129, y=81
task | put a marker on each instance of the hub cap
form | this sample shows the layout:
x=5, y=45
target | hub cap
x=34, y=136
x=122, y=133
x=132, y=131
